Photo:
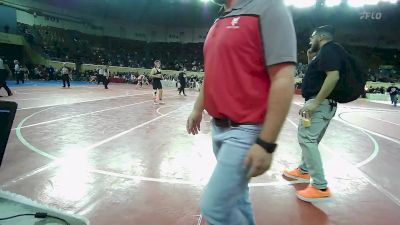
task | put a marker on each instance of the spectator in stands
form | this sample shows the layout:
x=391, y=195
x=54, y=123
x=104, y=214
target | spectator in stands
x=382, y=90
x=36, y=72
x=393, y=92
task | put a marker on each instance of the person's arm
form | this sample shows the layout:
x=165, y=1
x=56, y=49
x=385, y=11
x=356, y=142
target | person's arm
x=257, y=160
x=279, y=100
x=199, y=104
x=152, y=73
x=332, y=77
x=328, y=86
x=194, y=120
x=280, y=54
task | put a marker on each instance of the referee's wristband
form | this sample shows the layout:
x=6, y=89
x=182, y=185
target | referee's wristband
x=268, y=147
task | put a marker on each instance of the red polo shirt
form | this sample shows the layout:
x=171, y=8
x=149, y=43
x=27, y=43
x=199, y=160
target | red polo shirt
x=239, y=48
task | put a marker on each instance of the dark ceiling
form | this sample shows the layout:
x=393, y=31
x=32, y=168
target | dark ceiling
x=182, y=13
x=178, y=13
x=197, y=14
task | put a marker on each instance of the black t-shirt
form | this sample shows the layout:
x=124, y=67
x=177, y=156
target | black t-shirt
x=181, y=77
x=329, y=58
x=393, y=90
x=3, y=76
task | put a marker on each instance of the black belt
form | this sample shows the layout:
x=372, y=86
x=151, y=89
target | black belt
x=228, y=123
x=332, y=102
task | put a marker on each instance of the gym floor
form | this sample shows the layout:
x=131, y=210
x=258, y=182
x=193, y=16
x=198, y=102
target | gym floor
x=114, y=157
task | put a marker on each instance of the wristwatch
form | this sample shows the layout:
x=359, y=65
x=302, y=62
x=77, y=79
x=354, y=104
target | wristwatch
x=268, y=147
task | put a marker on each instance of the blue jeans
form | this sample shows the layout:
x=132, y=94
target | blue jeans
x=225, y=200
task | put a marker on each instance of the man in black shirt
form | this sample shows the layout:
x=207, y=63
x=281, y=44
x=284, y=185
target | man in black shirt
x=325, y=65
x=393, y=92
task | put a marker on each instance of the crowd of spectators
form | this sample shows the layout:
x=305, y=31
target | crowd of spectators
x=74, y=46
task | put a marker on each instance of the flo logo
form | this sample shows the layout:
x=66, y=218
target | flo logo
x=370, y=15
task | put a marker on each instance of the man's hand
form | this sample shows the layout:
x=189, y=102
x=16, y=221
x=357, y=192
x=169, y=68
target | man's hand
x=257, y=161
x=193, y=122
x=308, y=108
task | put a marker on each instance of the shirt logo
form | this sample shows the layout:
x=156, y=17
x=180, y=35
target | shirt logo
x=234, y=23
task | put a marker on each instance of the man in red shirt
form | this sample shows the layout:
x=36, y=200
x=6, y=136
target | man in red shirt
x=249, y=59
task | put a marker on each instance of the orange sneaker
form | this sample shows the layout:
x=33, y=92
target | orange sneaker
x=312, y=194
x=297, y=175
